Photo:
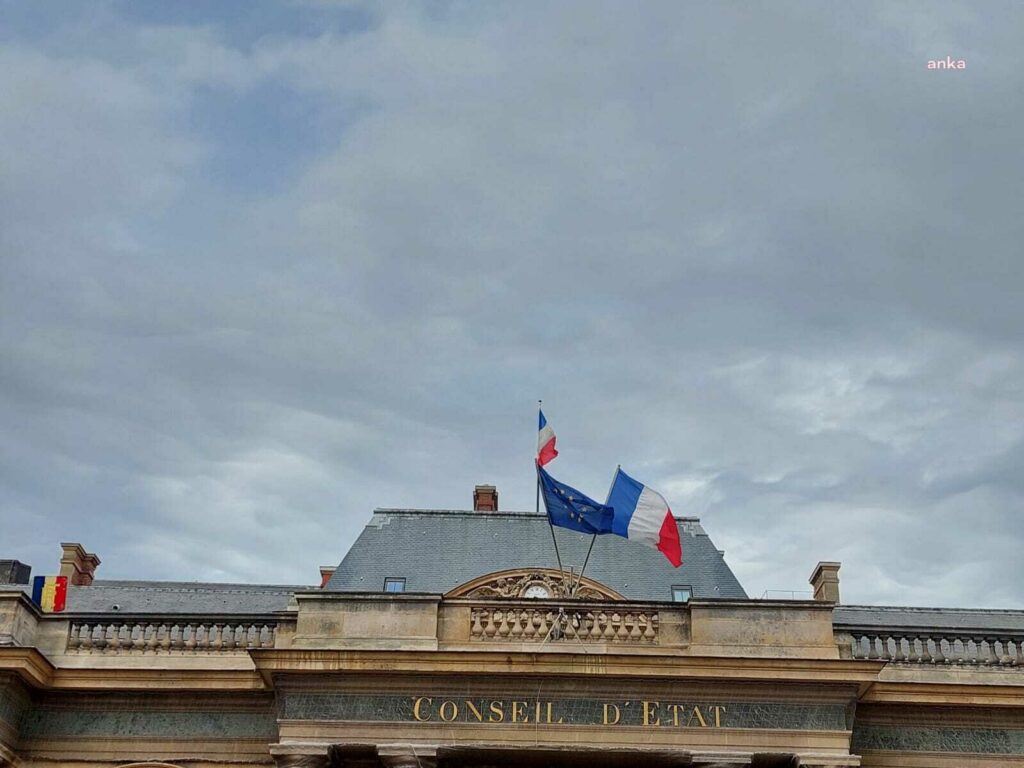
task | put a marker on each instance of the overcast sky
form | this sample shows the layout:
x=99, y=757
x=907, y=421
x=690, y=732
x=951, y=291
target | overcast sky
x=267, y=266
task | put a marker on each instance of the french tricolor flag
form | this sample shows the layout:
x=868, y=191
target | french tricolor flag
x=545, y=441
x=643, y=515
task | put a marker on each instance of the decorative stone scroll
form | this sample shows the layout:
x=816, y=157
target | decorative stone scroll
x=546, y=624
x=523, y=582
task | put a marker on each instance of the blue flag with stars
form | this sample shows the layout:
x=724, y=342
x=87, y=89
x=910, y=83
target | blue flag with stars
x=568, y=508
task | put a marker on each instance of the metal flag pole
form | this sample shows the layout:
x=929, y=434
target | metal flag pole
x=536, y=508
x=594, y=537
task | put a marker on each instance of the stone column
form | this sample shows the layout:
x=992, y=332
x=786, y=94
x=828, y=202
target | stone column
x=407, y=755
x=721, y=759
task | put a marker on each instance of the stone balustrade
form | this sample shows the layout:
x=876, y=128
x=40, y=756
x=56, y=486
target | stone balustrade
x=552, y=623
x=169, y=634
x=933, y=647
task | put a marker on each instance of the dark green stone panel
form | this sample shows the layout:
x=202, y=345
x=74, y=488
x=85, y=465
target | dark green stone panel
x=399, y=708
x=901, y=738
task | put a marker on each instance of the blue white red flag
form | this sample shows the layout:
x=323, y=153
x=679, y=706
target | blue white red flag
x=545, y=441
x=643, y=515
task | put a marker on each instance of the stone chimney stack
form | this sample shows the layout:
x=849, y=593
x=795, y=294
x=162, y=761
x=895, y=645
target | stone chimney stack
x=77, y=564
x=825, y=581
x=485, y=498
x=14, y=572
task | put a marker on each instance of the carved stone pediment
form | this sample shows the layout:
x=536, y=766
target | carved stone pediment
x=541, y=583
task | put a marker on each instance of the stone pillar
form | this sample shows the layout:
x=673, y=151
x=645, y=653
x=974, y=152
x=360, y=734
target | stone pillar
x=825, y=581
x=407, y=755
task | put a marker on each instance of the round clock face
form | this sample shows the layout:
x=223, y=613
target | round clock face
x=538, y=591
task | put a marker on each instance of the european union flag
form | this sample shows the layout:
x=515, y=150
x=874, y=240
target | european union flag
x=571, y=509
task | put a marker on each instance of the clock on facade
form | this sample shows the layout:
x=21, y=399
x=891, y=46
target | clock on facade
x=537, y=591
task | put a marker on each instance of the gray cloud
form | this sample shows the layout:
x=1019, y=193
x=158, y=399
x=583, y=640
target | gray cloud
x=761, y=257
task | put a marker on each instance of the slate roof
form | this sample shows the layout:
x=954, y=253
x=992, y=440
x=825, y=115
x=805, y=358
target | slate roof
x=958, y=619
x=178, y=597
x=437, y=550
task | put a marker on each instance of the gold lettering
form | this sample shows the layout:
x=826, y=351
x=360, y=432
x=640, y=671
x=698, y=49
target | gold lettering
x=651, y=711
x=718, y=715
x=618, y=714
x=700, y=718
x=416, y=708
x=497, y=708
x=550, y=716
x=476, y=712
x=454, y=710
x=674, y=709
x=517, y=712
x=536, y=710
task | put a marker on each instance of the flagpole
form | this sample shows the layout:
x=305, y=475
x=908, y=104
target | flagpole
x=536, y=508
x=594, y=537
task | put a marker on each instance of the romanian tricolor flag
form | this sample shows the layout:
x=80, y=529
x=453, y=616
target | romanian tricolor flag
x=50, y=593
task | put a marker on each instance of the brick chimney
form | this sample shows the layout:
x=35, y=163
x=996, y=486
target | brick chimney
x=77, y=564
x=825, y=581
x=485, y=498
x=326, y=571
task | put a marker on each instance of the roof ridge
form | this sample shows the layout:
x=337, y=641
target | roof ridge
x=935, y=609
x=477, y=513
x=184, y=586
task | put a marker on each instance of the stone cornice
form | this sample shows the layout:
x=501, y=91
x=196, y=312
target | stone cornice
x=308, y=661
x=29, y=664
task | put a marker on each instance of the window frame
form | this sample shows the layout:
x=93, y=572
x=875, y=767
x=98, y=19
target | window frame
x=398, y=580
x=682, y=587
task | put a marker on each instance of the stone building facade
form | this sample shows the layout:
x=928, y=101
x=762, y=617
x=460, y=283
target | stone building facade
x=447, y=638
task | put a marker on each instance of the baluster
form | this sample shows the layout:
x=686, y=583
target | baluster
x=174, y=637
x=872, y=649
x=990, y=650
x=204, y=634
x=898, y=653
x=528, y=628
x=620, y=627
x=939, y=657
x=149, y=632
x=634, y=629
x=188, y=637
x=589, y=621
x=217, y=642
x=99, y=638
x=501, y=619
x=476, y=628
x=973, y=655
x=926, y=650
x=85, y=637
x=165, y=638
x=114, y=646
x=137, y=633
x=73, y=639
x=516, y=630
x=1004, y=656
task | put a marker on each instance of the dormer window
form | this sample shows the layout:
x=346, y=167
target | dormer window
x=394, y=584
x=681, y=593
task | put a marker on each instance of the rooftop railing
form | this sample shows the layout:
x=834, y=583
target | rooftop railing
x=167, y=634
x=933, y=646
